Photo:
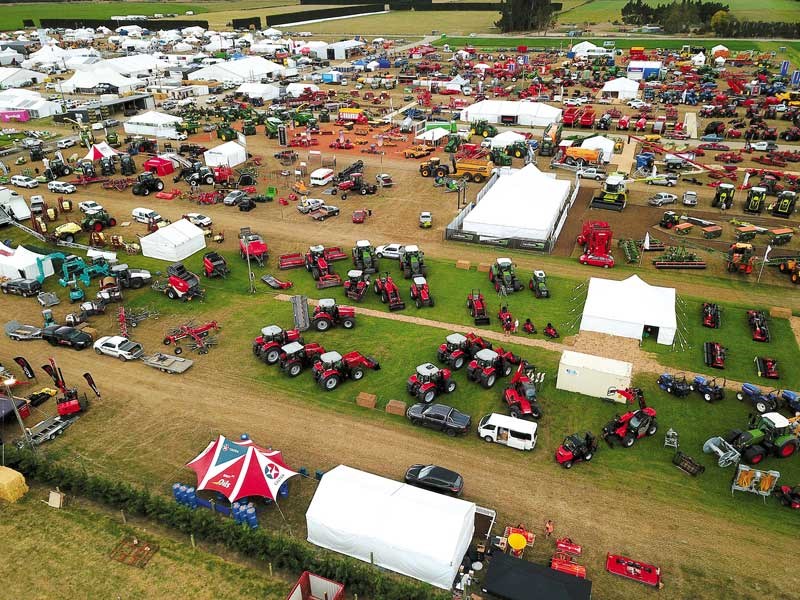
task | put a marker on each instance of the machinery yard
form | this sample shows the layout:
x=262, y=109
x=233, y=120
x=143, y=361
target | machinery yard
x=311, y=281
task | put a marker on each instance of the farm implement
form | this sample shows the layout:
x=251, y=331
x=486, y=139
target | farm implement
x=477, y=308
x=215, y=265
x=328, y=314
x=576, y=448
x=770, y=434
x=317, y=262
x=489, y=364
x=275, y=283
x=520, y=394
x=198, y=337
x=767, y=367
x=712, y=315
x=708, y=388
x=714, y=355
x=633, y=425
x=758, y=326
x=429, y=381
x=679, y=258
x=634, y=570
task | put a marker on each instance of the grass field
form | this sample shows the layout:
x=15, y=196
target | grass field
x=601, y=11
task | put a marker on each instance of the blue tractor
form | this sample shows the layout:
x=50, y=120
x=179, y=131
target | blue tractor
x=708, y=388
x=769, y=401
x=677, y=385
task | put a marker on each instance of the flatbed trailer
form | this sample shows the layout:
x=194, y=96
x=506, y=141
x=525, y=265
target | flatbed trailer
x=166, y=363
x=47, y=430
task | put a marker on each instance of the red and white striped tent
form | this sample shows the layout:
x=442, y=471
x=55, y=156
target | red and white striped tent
x=98, y=151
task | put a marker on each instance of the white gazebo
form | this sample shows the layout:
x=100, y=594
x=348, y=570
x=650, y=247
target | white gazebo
x=622, y=88
x=153, y=123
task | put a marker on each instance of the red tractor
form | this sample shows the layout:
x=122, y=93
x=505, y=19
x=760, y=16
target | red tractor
x=385, y=287
x=328, y=314
x=332, y=368
x=459, y=349
x=356, y=285
x=420, y=293
x=477, y=307
x=520, y=394
x=488, y=364
x=296, y=357
x=267, y=346
x=320, y=268
x=253, y=246
x=595, y=238
x=429, y=381
x=576, y=448
x=631, y=426
x=789, y=496
x=215, y=265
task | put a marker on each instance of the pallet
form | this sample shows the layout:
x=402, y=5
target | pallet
x=134, y=552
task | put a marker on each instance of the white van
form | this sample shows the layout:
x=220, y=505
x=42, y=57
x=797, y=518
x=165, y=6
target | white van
x=321, y=177
x=145, y=215
x=502, y=429
x=14, y=204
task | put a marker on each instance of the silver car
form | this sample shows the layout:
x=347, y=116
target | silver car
x=662, y=198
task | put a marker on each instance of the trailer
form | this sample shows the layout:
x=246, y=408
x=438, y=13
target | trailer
x=47, y=430
x=167, y=363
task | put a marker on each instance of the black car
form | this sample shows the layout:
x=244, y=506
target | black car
x=440, y=417
x=436, y=479
x=21, y=287
x=62, y=335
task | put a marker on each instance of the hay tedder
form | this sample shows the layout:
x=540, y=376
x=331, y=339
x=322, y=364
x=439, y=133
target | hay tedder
x=198, y=337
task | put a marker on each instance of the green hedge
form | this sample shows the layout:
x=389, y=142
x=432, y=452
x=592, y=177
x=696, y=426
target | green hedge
x=284, y=552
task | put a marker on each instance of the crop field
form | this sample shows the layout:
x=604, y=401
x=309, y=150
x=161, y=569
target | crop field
x=602, y=11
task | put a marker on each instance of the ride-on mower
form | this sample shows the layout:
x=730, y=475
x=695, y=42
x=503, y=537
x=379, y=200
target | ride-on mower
x=328, y=314
x=356, y=285
x=332, y=368
x=758, y=325
x=215, y=265
x=428, y=381
x=767, y=367
x=503, y=274
x=520, y=394
x=267, y=346
x=708, y=388
x=488, y=365
x=477, y=308
x=714, y=355
x=576, y=448
x=631, y=426
x=676, y=385
x=712, y=317
x=420, y=292
x=385, y=287
x=296, y=357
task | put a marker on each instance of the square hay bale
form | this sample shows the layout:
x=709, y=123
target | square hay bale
x=366, y=400
x=484, y=267
x=780, y=312
x=463, y=264
x=396, y=407
x=12, y=485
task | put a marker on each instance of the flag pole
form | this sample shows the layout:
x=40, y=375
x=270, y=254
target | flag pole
x=763, y=262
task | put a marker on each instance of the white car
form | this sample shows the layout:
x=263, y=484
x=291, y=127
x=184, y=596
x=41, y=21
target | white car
x=89, y=207
x=635, y=103
x=662, y=198
x=759, y=146
x=24, y=181
x=145, y=215
x=389, y=251
x=61, y=187
x=309, y=205
x=31, y=142
x=118, y=347
x=64, y=144
x=178, y=136
x=97, y=126
x=781, y=108
x=198, y=219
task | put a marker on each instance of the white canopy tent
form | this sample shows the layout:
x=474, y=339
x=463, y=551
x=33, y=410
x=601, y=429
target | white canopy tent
x=376, y=519
x=21, y=263
x=9, y=55
x=507, y=138
x=599, y=142
x=174, y=242
x=624, y=308
x=265, y=91
x=583, y=48
x=89, y=77
x=296, y=89
x=152, y=123
x=533, y=114
x=228, y=154
x=252, y=68
x=432, y=135
x=622, y=88
x=523, y=203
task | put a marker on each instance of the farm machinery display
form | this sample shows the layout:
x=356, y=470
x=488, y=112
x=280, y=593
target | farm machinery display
x=429, y=381
x=576, y=448
x=723, y=197
x=767, y=367
x=595, y=238
x=253, y=247
x=628, y=568
x=633, y=425
x=420, y=292
x=503, y=274
x=295, y=357
x=267, y=346
x=520, y=395
x=789, y=496
x=708, y=388
x=477, y=308
x=457, y=349
x=487, y=365
x=740, y=258
x=356, y=285
x=147, y=183
x=771, y=401
x=538, y=284
x=785, y=204
x=316, y=261
x=97, y=221
x=364, y=258
x=328, y=314
x=181, y=284
x=215, y=265
x=759, y=329
x=756, y=200
x=199, y=337
x=714, y=355
x=613, y=195
x=385, y=287
x=412, y=261
x=770, y=434
x=130, y=278
x=712, y=315
x=332, y=368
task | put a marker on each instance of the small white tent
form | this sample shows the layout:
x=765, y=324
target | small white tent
x=20, y=262
x=152, y=123
x=228, y=154
x=583, y=48
x=507, y=138
x=622, y=88
x=378, y=520
x=602, y=143
x=533, y=114
x=174, y=242
x=265, y=91
x=625, y=308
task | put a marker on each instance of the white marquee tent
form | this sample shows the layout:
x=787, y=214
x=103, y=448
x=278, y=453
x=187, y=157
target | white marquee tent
x=622, y=88
x=152, y=123
x=296, y=89
x=252, y=68
x=523, y=203
x=20, y=262
x=376, y=519
x=9, y=55
x=265, y=91
x=174, y=242
x=625, y=308
x=228, y=154
x=533, y=114
x=12, y=77
x=602, y=143
x=507, y=138
x=89, y=77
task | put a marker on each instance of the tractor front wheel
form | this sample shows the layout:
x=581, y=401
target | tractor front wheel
x=178, y=350
x=707, y=397
x=112, y=222
x=653, y=428
x=330, y=383
x=457, y=363
x=348, y=323
x=427, y=397
x=567, y=464
x=159, y=185
x=451, y=387
x=294, y=369
x=628, y=441
x=589, y=456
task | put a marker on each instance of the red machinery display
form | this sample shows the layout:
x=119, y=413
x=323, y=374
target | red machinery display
x=520, y=394
x=712, y=317
x=385, y=287
x=477, y=308
x=328, y=314
x=767, y=367
x=267, y=346
x=789, y=496
x=356, y=285
x=199, y=336
x=595, y=238
x=714, y=355
x=758, y=325
x=458, y=349
x=181, y=284
x=332, y=368
x=635, y=570
x=215, y=265
x=631, y=426
x=252, y=245
x=564, y=559
x=428, y=381
x=296, y=357
x=69, y=403
x=420, y=292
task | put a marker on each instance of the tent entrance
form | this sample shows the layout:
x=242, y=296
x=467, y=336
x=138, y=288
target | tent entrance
x=508, y=119
x=650, y=331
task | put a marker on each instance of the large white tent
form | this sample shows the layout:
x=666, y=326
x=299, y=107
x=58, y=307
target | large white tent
x=12, y=77
x=389, y=523
x=33, y=102
x=523, y=203
x=228, y=154
x=252, y=68
x=174, y=242
x=9, y=55
x=152, y=123
x=89, y=77
x=622, y=88
x=507, y=138
x=20, y=262
x=533, y=114
x=265, y=91
x=624, y=308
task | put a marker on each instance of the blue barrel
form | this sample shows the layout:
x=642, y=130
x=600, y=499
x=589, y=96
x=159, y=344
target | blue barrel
x=191, y=497
x=252, y=518
x=176, y=490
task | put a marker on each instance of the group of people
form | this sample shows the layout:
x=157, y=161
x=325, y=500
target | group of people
x=511, y=325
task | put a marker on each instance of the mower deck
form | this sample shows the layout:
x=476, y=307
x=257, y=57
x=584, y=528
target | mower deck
x=631, y=569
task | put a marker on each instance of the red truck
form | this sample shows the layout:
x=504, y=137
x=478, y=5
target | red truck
x=570, y=115
x=587, y=117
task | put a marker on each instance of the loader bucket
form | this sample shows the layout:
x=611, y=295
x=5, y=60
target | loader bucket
x=396, y=305
x=482, y=320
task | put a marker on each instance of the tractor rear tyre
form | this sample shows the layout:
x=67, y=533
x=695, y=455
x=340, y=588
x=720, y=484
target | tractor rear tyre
x=441, y=172
x=322, y=325
x=488, y=382
x=159, y=185
x=787, y=449
x=144, y=191
x=330, y=383
x=348, y=323
x=762, y=406
x=272, y=356
x=754, y=455
x=628, y=441
x=457, y=363
x=653, y=427
x=427, y=396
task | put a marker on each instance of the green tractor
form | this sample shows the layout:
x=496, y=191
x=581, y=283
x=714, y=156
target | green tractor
x=767, y=434
x=271, y=125
x=226, y=133
x=303, y=119
x=517, y=149
x=500, y=158
x=503, y=274
x=97, y=221
x=248, y=127
x=412, y=261
x=483, y=128
x=454, y=142
x=112, y=139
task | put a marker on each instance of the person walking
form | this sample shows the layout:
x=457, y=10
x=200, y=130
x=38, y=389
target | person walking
x=548, y=528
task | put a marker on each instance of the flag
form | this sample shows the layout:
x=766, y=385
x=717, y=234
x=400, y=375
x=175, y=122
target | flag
x=646, y=243
x=25, y=366
x=90, y=380
x=766, y=252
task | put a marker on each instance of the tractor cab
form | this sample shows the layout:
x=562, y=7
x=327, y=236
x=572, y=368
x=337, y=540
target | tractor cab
x=354, y=277
x=425, y=220
x=486, y=358
x=271, y=333
x=427, y=372
x=773, y=424
x=316, y=252
x=292, y=350
x=456, y=341
x=328, y=306
x=331, y=360
x=420, y=281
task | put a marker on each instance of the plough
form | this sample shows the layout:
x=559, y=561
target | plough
x=118, y=184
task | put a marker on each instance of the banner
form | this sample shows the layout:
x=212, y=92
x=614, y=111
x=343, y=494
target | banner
x=25, y=366
x=90, y=380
